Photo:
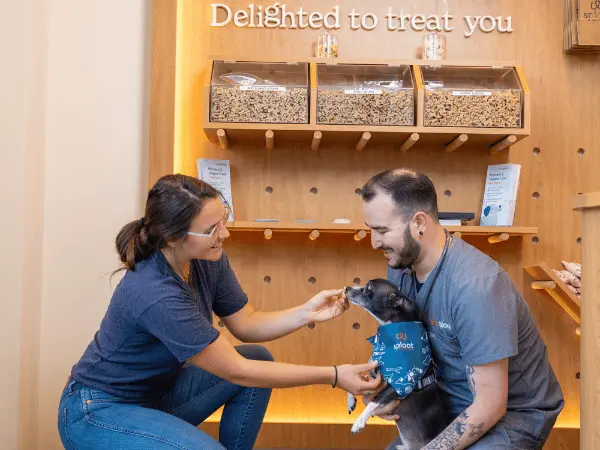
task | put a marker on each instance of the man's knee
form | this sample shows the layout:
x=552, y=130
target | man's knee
x=255, y=352
x=494, y=439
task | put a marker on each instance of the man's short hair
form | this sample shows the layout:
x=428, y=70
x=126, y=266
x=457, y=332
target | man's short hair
x=412, y=191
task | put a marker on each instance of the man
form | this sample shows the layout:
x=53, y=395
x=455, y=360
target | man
x=496, y=382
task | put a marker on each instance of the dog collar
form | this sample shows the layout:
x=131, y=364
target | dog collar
x=404, y=355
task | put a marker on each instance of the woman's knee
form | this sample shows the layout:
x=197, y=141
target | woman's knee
x=255, y=352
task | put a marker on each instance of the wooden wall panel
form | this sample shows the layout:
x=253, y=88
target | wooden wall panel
x=564, y=120
x=162, y=98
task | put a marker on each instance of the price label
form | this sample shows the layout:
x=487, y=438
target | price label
x=263, y=88
x=363, y=91
x=473, y=93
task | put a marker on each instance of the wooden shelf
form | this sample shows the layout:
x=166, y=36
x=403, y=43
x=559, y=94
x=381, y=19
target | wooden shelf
x=567, y=300
x=436, y=136
x=294, y=227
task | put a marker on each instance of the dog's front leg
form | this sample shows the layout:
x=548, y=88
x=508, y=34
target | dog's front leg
x=351, y=402
x=396, y=445
x=361, y=422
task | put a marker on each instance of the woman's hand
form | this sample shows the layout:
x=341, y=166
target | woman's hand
x=326, y=305
x=356, y=379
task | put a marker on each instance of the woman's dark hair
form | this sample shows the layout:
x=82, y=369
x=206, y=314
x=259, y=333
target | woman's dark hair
x=172, y=204
x=412, y=191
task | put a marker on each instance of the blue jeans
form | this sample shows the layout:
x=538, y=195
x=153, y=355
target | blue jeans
x=92, y=419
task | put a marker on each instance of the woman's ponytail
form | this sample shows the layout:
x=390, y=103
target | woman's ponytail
x=133, y=243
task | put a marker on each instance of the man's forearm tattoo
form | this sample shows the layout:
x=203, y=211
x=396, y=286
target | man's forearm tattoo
x=450, y=438
x=470, y=372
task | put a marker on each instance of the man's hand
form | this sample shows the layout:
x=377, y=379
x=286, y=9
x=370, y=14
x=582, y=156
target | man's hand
x=384, y=411
x=326, y=305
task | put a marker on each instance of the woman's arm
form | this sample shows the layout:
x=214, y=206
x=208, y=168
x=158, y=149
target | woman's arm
x=249, y=325
x=221, y=359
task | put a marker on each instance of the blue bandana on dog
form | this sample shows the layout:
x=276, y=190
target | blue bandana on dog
x=403, y=352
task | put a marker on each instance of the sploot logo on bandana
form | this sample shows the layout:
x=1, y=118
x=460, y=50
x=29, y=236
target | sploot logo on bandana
x=403, y=345
x=403, y=353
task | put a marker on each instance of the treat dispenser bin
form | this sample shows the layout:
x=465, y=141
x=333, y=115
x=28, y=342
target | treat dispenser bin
x=365, y=94
x=478, y=97
x=253, y=92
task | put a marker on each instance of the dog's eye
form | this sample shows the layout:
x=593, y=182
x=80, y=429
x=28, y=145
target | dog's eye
x=368, y=289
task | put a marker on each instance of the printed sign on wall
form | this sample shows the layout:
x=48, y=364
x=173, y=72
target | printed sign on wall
x=278, y=16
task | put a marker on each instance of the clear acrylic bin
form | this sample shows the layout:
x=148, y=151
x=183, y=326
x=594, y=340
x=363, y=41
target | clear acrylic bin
x=485, y=97
x=349, y=94
x=254, y=92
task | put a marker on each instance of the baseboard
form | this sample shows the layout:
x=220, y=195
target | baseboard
x=337, y=436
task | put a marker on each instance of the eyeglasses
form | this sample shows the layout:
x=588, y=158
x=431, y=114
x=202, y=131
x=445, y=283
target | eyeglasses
x=214, y=229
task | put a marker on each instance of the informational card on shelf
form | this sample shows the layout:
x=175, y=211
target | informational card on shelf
x=500, y=196
x=588, y=26
x=216, y=172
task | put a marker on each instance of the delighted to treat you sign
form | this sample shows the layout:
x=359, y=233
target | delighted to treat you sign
x=277, y=15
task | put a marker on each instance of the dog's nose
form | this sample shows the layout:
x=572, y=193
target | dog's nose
x=347, y=289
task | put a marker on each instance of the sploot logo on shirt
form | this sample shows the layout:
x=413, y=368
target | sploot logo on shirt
x=445, y=326
x=442, y=325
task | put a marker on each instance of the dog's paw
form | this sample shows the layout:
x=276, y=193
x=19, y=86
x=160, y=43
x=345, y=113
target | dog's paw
x=351, y=401
x=359, y=425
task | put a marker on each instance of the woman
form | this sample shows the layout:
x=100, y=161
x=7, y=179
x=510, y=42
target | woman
x=157, y=367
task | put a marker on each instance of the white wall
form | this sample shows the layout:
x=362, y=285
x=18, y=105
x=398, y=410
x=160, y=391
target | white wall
x=73, y=165
x=13, y=120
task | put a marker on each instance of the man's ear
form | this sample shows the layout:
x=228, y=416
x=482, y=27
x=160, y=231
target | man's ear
x=419, y=221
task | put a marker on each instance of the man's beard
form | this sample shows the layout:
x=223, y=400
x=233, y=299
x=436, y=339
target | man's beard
x=409, y=254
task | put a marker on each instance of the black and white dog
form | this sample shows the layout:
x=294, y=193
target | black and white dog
x=421, y=413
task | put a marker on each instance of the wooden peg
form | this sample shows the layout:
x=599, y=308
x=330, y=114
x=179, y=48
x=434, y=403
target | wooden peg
x=270, y=139
x=364, y=139
x=498, y=238
x=460, y=140
x=578, y=331
x=412, y=140
x=222, y=136
x=457, y=234
x=314, y=234
x=316, y=142
x=268, y=234
x=504, y=143
x=360, y=235
x=539, y=285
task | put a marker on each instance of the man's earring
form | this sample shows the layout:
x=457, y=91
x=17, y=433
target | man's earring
x=421, y=233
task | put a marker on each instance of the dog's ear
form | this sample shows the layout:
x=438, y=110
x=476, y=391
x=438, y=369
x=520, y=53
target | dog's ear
x=398, y=301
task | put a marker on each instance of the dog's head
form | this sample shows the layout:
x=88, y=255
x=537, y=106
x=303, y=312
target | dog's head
x=383, y=300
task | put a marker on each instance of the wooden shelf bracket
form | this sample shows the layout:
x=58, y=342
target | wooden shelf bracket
x=408, y=143
x=460, y=140
x=316, y=141
x=501, y=237
x=364, y=140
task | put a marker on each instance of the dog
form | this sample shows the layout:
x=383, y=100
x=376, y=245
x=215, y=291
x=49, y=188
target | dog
x=421, y=412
